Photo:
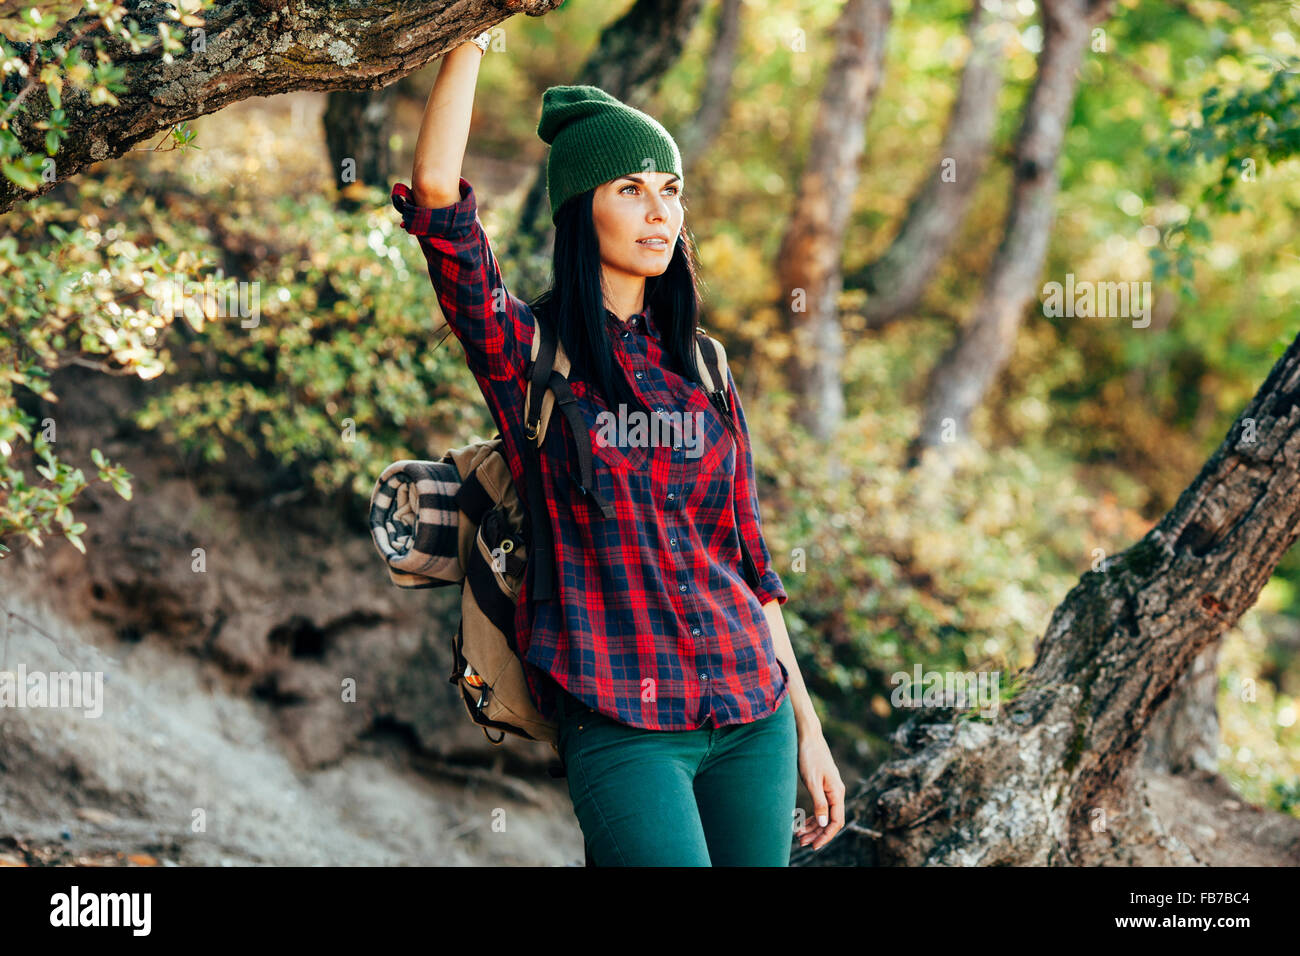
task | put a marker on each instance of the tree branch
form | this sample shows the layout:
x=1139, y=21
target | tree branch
x=252, y=48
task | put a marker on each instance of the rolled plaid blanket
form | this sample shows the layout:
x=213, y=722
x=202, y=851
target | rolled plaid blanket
x=415, y=523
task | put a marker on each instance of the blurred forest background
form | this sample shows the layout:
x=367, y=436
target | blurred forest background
x=260, y=445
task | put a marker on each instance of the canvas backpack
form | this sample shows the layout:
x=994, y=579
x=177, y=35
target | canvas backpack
x=465, y=524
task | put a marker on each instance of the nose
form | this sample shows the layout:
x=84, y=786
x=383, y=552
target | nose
x=658, y=209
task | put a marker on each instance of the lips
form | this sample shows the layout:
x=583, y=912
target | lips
x=654, y=242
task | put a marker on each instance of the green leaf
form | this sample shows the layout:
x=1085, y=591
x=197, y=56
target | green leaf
x=25, y=178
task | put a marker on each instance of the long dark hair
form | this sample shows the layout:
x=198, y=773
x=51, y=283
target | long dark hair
x=575, y=305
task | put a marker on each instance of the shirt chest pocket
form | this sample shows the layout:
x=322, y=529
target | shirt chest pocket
x=611, y=446
x=707, y=450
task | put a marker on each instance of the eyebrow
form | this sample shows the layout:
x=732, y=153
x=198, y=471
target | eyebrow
x=638, y=179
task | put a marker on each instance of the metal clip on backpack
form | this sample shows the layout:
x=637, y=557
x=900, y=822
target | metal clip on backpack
x=460, y=520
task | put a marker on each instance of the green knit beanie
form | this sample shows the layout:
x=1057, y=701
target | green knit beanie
x=595, y=138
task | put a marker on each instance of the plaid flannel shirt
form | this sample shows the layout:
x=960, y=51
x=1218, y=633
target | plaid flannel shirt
x=653, y=622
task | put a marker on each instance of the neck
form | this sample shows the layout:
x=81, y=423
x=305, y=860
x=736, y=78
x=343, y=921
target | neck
x=624, y=294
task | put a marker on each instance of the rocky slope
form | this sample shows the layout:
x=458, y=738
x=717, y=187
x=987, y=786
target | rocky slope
x=225, y=736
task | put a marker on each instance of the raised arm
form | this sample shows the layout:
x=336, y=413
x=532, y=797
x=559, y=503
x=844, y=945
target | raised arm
x=441, y=210
x=444, y=132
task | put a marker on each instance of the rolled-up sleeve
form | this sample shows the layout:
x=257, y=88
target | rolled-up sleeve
x=490, y=323
x=751, y=523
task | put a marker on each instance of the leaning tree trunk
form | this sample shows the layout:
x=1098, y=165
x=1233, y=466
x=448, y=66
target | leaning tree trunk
x=1054, y=777
x=808, y=263
x=631, y=58
x=958, y=383
x=896, y=280
x=255, y=48
x=358, y=127
x=715, y=92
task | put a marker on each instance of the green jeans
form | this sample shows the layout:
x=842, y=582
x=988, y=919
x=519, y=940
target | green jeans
x=715, y=796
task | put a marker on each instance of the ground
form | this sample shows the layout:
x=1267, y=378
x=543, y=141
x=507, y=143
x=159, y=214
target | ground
x=1218, y=826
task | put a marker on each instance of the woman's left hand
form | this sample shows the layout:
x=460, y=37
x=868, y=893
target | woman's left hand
x=822, y=779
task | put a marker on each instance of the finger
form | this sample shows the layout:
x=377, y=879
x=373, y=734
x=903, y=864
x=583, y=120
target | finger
x=820, y=806
x=826, y=834
x=831, y=824
x=837, y=803
x=811, y=783
x=812, y=833
x=809, y=826
x=809, y=830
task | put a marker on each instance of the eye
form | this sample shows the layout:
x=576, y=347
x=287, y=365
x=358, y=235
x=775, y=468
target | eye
x=674, y=188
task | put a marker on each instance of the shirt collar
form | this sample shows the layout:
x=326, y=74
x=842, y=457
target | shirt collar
x=642, y=322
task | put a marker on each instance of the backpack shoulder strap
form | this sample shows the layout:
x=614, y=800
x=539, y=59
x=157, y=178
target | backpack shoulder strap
x=547, y=374
x=547, y=355
x=712, y=360
x=548, y=377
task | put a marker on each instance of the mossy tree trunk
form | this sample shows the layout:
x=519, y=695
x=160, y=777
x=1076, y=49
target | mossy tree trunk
x=1055, y=778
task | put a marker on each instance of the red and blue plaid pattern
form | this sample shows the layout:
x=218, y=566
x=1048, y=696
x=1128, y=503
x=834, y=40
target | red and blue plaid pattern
x=653, y=622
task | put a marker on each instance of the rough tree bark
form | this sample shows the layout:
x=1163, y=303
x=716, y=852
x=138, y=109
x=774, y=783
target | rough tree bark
x=808, y=263
x=896, y=280
x=631, y=58
x=1054, y=778
x=254, y=48
x=958, y=382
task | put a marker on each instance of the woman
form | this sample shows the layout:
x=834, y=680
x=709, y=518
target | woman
x=683, y=718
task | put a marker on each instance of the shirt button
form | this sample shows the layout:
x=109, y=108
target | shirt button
x=627, y=334
x=671, y=496
x=695, y=631
x=638, y=375
x=681, y=587
x=704, y=677
x=673, y=542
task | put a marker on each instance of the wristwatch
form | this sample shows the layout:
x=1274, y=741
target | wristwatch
x=482, y=40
